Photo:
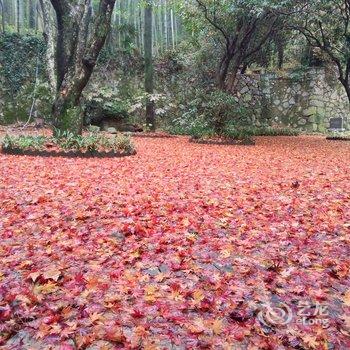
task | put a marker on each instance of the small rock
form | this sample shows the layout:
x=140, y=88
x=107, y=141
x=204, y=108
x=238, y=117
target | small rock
x=112, y=130
x=118, y=236
x=154, y=271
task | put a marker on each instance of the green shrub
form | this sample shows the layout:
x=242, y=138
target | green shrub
x=24, y=142
x=93, y=141
x=250, y=131
x=274, y=131
x=339, y=134
x=66, y=141
x=200, y=128
x=122, y=142
x=238, y=133
x=104, y=104
x=208, y=113
x=220, y=108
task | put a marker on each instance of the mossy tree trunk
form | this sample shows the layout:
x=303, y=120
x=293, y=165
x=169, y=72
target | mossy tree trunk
x=32, y=12
x=49, y=37
x=149, y=69
x=2, y=16
x=76, y=56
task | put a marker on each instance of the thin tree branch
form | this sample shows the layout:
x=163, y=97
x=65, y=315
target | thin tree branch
x=212, y=21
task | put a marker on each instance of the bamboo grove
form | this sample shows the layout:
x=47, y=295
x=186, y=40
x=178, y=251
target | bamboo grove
x=127, y=30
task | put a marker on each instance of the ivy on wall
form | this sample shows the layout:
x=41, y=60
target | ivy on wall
x=19, y=57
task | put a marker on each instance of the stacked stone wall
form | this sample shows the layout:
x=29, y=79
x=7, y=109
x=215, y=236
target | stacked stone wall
x=307, y=100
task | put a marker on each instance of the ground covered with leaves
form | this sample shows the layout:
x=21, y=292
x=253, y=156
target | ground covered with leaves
x=182, y=246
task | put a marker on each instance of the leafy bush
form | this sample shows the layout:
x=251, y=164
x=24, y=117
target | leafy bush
x=238, y=133
x=220, y=108
x=336, y=133
x=93, y=141
x=105, y=104
x=273, y=131
x=243, y=132
x=24, y=142
x=188, y=113
x=200, y=128
x=138, y=106
x=208, y=112
x=66, y=141
x=123, y=142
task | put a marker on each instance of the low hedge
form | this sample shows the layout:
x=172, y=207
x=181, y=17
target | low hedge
x=67, y=144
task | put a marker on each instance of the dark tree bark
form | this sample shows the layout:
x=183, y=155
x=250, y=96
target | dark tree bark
x=149, y=69
x=250, y=36
x=247, y=38
x=280, y=52
x=317, y=38
x=223, y=71
x=32, y=13
x=18, y=11
x=2, y=16
x=76, y=56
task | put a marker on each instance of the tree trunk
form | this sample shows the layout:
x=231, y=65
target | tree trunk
x=233, y=77
x=76, y=58
x=345, y=83
x=222, y=71
x=2, y=15
x=32, y=11
x=149, y=69
x=280, y=52
x=50, y=42
x=18, y=16
x=67, y=114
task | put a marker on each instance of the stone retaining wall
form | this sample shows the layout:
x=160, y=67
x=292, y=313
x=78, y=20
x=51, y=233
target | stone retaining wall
x=307, y=100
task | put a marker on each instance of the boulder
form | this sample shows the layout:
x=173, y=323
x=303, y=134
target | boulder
x=114, y=126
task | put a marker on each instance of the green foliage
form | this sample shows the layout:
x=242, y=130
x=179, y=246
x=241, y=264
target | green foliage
x=68, y=140
x=24, y=142
x=263, y=130
x=200, y=128
x=327, y=27
x=231, y=131
x=122, y=142
x=274, y=131
x=19, y=56
x=220, y=108
x=105, y=103
x=138, y=105
x=44, y=99
x=18, y=108
x=208, y=113
x=93, y=141
x=339, y=135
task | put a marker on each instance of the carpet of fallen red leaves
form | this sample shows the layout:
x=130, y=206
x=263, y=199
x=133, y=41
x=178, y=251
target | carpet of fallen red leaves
x=182, y=246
